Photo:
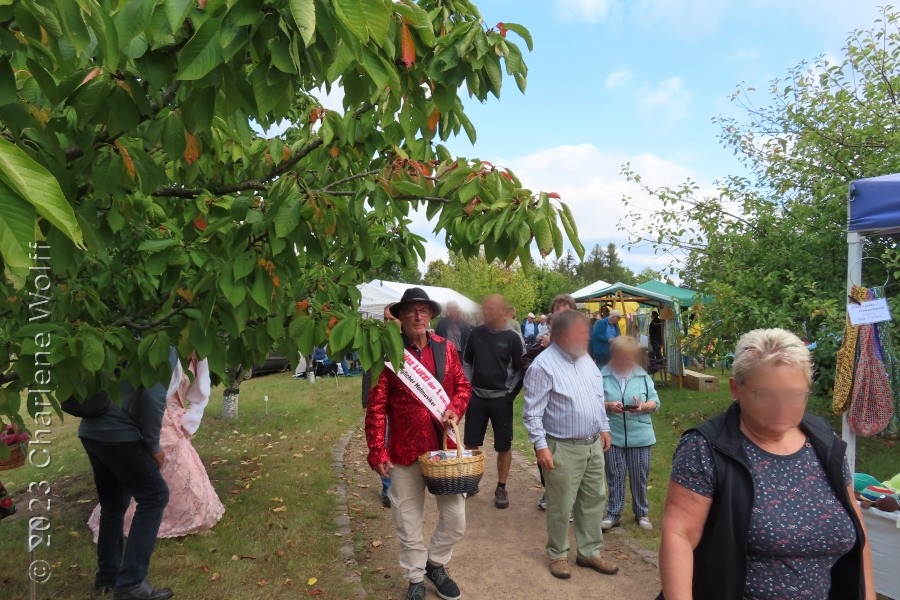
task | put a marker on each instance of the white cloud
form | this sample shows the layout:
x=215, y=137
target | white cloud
x=668, y=101
x=591, y=11
x=619, y=78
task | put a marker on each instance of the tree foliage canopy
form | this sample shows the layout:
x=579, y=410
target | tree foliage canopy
x=769, y=246
x=127, y=146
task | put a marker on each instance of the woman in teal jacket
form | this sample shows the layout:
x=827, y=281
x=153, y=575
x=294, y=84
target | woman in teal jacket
x=630, y=398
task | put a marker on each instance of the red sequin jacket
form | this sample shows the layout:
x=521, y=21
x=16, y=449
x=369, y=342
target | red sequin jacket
x=413, y=431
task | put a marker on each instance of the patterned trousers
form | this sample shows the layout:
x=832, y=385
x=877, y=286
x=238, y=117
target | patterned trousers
x=636, y=462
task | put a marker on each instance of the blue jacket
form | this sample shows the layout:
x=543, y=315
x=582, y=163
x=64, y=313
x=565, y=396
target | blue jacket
x=603, y=332
x=529, y=330
x=630, y=430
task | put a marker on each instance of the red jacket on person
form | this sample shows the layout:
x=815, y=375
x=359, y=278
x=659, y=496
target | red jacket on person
x=413, y=431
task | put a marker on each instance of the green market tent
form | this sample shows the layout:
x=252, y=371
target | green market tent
x=684, y=296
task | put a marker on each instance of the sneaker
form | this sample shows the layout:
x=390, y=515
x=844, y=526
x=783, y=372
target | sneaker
x=608, y=523
x=144, y=591
x=416, y=591
x=542, y=503
x=439, y=578
x=501, y=497
x=385, y=501
x=645, y=524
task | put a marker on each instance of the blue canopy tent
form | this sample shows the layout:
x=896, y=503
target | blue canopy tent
x=873, y=210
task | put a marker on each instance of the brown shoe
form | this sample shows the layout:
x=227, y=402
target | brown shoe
x=559, y=568
x=599, y=564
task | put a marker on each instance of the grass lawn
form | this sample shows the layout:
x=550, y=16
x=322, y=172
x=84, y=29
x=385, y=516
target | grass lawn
x=682, y=409
x=272, y=472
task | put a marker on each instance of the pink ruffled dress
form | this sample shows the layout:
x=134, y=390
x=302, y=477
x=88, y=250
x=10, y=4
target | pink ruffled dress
x=193, y=506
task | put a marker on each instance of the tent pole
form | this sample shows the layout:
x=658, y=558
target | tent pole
x=854, y=275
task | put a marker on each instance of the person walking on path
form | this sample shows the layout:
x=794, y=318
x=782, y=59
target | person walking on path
x=561, y=303
x=124, y=450
x=605, y=330
x=566, y=421
x=493, y=363
x=630, y=398
x=414, y=431
x=454, y=328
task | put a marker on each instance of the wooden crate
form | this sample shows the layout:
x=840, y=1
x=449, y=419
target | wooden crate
x=700, y=382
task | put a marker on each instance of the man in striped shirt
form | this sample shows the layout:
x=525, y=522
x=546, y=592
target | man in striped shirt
x=565, y=417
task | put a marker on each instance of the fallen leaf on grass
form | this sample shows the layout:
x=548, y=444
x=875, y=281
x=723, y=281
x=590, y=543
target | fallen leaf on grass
x=205, y=568
x=312, y=581
x=280, y=509
x=262, y=583
x=315, y=592
x=376, y=543
x=622, y=556
x=215, y=577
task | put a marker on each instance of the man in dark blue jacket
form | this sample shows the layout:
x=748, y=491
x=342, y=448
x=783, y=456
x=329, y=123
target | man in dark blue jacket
x=454, y=327
x=123, y=447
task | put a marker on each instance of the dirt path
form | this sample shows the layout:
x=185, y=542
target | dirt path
x=501, y=555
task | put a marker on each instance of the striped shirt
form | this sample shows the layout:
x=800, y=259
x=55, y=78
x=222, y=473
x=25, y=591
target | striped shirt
x=563, y=398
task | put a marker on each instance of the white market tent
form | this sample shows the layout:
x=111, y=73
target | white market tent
x=590, y=290
x=377, y=294
x=873, y=210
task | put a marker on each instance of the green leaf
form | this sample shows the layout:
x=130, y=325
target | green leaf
x=34, y=184
x=92, y=353
x=176, y=12
x=243, y=265
x=302, y=330
x=156, y=245
x=568, y=222
x=16, y=229
x=7, y=83
x=258, y=291
x=104, y=29
x=378, y=19
x=304, y=13
x=173, y=139
x=393, y=341
x=342, y=335
x=202, y=53
x=131, y=20
x=352, y=16
x=522, y=32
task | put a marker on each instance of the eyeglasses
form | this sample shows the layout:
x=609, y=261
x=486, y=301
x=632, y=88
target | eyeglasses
x=790, y=399
x=419, y=312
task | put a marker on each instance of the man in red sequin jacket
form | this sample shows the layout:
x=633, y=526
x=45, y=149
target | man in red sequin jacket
x=413, y=431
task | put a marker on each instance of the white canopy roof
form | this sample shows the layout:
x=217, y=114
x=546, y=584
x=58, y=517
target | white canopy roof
x=590, y=291
x=377, y=294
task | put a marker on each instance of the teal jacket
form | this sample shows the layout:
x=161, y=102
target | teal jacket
x=630, y=430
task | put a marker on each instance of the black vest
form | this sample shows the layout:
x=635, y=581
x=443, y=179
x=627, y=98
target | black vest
x=720, y=559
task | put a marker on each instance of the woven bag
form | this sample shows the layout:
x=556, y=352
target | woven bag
x=846, y=359
x=891, y=362
x=872, y=407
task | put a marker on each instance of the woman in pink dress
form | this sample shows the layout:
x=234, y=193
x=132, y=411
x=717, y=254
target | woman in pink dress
x=193, y=504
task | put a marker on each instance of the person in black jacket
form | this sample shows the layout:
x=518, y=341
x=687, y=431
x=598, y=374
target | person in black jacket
x=454, y=327
x=125, y=455
x=760, y=503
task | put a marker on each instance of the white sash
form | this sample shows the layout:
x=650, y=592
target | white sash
x=423, y=386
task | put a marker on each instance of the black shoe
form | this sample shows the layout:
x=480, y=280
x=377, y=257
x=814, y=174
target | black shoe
x=416, y=591
x=445, y=587
x=385, y=502
x=501, y=497
x=144, y=591
x=101, y=592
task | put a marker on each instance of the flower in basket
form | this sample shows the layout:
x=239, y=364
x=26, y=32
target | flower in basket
x=10, y=437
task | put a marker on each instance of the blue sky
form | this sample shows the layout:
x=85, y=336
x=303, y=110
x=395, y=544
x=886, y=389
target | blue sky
x=615, y=81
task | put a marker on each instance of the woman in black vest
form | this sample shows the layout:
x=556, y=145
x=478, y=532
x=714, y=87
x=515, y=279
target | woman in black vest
x=760, y=504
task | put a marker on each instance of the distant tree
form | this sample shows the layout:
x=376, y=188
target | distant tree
x=477, y=277
x=593, y=267
x=548, y=283
x=567, y=265
x=647, y=274
x=400, y=273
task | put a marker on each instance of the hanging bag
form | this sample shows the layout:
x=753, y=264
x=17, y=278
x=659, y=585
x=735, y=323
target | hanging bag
x=846, y=359
x=872, y=407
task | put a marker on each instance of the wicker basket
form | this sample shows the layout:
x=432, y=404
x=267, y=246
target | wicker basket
x=15, y=459
x=455, y=475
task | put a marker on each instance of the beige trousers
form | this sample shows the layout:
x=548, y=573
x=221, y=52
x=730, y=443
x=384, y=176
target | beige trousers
x=407, y=496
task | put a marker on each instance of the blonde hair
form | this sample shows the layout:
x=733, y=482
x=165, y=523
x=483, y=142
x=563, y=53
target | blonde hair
x=624, y=343
x=769, y=347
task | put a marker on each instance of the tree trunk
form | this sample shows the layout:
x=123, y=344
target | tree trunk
x=230, y=402
x=310, y=370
